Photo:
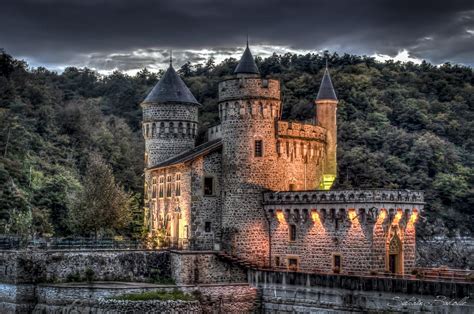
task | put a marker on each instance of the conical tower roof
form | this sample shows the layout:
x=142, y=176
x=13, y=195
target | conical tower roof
x=171, y=88
x=247, y=63
x=326, y=90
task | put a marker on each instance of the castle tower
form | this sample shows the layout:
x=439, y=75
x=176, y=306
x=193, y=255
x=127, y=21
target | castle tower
x=170, y=118
x=326, y=107
x=248, y=108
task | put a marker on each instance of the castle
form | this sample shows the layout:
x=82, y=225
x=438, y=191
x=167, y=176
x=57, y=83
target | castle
x=260, y=187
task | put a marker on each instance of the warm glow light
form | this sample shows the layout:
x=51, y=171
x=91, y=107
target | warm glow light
x=352, y=214
x=328, y=180
x=397, y=217
x=414, y=216
x=280, y=215
x=315, y=216
x=382, y=216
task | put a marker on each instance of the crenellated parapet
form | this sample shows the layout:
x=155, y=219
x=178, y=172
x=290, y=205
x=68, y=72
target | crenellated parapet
x=304, y=131
x=249, y=88
x=369, y=206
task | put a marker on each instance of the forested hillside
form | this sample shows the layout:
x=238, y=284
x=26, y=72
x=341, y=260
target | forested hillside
x=400, y=125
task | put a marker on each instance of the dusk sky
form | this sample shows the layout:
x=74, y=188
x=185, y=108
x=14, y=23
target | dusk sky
x=128, y=35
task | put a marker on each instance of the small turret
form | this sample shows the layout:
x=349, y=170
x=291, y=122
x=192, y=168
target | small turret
x=326, y=107
x=170, y=118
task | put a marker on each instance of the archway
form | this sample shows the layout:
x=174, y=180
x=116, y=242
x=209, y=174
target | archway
x=395, y=253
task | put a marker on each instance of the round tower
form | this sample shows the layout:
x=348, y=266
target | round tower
x=248, y=107
x=170, y=118
x=326, y=108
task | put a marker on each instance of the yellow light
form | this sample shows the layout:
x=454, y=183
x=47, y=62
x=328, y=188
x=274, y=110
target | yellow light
x=280, y=216
x=352, y=214
x=397, y=217
x=327, y=181
x=414, y=216
x=315, y=216
x=382, y=216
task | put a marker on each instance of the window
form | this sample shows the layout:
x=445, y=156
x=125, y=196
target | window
x=153, y=187
x=292, y=232
x=293, y=264
x=178, y=184
x=168, y=186
x=277, y=261
x=207, y=226
x=336, y=263
x=208, y=186
x=161, y=187
x=258, y=148
x=292, y=187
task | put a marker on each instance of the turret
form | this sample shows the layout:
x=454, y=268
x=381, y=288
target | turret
x=248, y=108
x=170, y=118
x=326, y=107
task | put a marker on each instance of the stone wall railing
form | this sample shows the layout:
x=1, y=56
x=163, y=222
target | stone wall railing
x=379, y=196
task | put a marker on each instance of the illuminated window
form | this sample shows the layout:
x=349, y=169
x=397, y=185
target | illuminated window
x=208, y=186
x=168, y=186
x=292, y=232
x=153, y=187
x=178, y=184
x=258, y=148
x=161, y=187
x=207, y=226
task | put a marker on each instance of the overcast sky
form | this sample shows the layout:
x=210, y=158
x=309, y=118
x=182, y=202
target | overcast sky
x=131, y=34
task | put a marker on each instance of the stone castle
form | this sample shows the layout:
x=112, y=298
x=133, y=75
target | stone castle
x=260, y=188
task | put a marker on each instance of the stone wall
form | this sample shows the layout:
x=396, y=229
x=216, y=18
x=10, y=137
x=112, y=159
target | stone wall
x=201, y=267
x=290, y=292
x=59, y=266
x=361, y=227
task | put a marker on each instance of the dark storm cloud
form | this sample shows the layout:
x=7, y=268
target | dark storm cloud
x=107, y=33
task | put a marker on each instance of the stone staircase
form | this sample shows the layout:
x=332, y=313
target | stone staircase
x=234, y=260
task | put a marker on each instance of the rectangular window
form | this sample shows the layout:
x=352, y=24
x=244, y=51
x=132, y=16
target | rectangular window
x=292, y=232
x=153, y=187
x=178, y=184
x=207, y=226
x=168, y=186
x=161, y=187
x=208, y=186
x=293, y=264
x=336, y=263
x=258, y=148
x=277, y=261
x=292, y=187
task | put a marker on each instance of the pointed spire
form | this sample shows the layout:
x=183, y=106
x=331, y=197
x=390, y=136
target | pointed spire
x=326, y=90
x=171, y=88
x=171, y=57
x=247, y=63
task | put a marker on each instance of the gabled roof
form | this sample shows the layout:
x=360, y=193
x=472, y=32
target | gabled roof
x=247, y=63
x=171, y=88
x=191, y=154
x=326, y=90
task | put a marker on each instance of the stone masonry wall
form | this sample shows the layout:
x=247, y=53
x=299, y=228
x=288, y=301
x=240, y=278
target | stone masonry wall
x=201, y=267
x=59, y=266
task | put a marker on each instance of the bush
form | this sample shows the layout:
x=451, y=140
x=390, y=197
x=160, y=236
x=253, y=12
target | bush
x=89, y=275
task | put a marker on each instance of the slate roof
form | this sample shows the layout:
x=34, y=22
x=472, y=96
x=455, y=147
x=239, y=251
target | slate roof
x=191, y=154
x=171, y=88
x=247, y=63
x=326, y=90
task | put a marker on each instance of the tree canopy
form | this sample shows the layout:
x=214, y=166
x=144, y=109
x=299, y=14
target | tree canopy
x=400, y=125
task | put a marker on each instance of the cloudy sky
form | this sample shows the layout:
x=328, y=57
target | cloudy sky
x=132, y=34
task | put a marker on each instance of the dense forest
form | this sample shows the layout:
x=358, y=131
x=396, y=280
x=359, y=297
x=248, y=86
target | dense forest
x=66, y=138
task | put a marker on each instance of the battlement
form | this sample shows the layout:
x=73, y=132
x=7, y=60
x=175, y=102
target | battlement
x=168, y=129
x=249, y=88
x=383, y=206
x=286, y=129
